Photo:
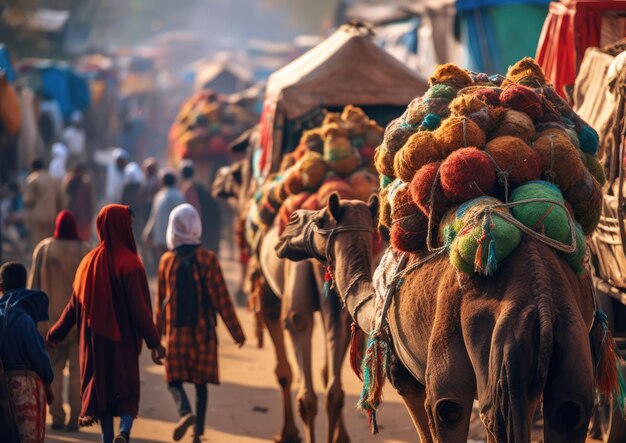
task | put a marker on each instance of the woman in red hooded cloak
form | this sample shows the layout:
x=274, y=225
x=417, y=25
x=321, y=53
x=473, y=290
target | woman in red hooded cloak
x=110, y=305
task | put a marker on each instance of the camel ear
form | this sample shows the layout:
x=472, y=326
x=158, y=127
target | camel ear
x=374, y=205
x=333, y=206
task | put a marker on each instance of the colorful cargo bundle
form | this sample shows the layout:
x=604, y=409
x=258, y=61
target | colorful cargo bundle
x=336, y=157
x=478, y=161
x=204, y=126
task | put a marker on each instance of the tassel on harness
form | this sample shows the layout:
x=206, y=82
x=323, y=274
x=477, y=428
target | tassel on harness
x=373, y=369
x=607, y=361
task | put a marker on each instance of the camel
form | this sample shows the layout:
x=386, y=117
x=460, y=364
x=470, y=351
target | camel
x=510, y=341
x=296, y=291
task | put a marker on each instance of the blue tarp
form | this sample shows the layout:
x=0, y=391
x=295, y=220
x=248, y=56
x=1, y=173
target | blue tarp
x=499, y=33
x=5, y=64
x=69, y=89
x=468, y=5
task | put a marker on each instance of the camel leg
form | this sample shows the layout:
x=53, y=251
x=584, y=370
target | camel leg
x=413, y=394
x=450, y=383
x=270, y=312
x=337, y=339
x=568, y=394
x=298, y=305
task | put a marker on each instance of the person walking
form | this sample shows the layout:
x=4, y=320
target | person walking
x=23, y=355
x=110, y=304
x=78, y=196
x=115, y=176
x=131, y=195
x=166, y=199
x=74, y=138
x=42, y=200
x=149, y=190
x=200, y=198
x=58, y=164
x=191, y=292
x=55, y=262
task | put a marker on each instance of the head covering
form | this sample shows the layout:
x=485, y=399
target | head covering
x=183, y=236
x=133, y=173
x=95, y=273
x=57, y=166
x=150, y=166
x=119, y=153
x=65, y=226
x=76, y=117
x=184, y=227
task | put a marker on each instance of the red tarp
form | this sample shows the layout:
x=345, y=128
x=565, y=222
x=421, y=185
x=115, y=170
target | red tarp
x=570, y=28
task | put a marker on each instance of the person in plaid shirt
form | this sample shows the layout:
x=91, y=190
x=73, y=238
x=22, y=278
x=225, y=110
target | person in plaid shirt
x=191, y=292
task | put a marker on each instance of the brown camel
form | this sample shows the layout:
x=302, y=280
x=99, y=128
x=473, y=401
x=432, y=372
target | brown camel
x=296, y=289
x=510, y=340
x=234, y=183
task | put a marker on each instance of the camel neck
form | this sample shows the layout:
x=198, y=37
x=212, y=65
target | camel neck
x=353, y=278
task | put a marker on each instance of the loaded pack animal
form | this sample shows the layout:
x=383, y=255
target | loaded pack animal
x=511, y=341
x=289, y=294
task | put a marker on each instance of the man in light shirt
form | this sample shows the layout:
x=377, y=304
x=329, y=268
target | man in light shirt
x=74, y=137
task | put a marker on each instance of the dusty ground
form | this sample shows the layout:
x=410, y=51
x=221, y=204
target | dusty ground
x=246, y=407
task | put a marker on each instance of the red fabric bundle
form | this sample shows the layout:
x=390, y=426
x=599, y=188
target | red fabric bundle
x=490, y=95
x=466, y=174
x=421, y=187
x=410, y=241
x=334, y=184
x=289, y=206
x=523, y=99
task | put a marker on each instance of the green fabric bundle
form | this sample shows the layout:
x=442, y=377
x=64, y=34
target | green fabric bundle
x=576, y=259
x=483, y=239
x=545, y=218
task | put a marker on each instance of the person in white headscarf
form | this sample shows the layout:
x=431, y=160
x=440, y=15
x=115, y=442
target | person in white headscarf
x=74, y=136
x=58, y=164
x=115, y=176
x=132, y=194
x=191, y=292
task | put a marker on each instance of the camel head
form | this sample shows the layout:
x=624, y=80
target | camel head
x=228, y=181
x=309, y=233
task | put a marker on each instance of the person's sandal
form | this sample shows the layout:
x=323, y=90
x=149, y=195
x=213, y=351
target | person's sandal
x=185, y=422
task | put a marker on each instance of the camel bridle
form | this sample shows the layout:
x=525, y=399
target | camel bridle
x=331, y=234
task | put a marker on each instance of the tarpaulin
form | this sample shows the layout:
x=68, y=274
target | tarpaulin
x=5, y=64
x=70, y=90
x=499, y=33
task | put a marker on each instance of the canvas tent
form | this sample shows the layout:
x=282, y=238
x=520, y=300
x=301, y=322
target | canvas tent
x=346, y=68
x=222, y=77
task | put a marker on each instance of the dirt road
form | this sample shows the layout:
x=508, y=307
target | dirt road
x=246, y=407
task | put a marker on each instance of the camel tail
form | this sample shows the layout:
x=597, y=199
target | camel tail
x=546, y=342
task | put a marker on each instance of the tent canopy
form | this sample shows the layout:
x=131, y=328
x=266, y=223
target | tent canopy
x=225, y=77
x=346, y=68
